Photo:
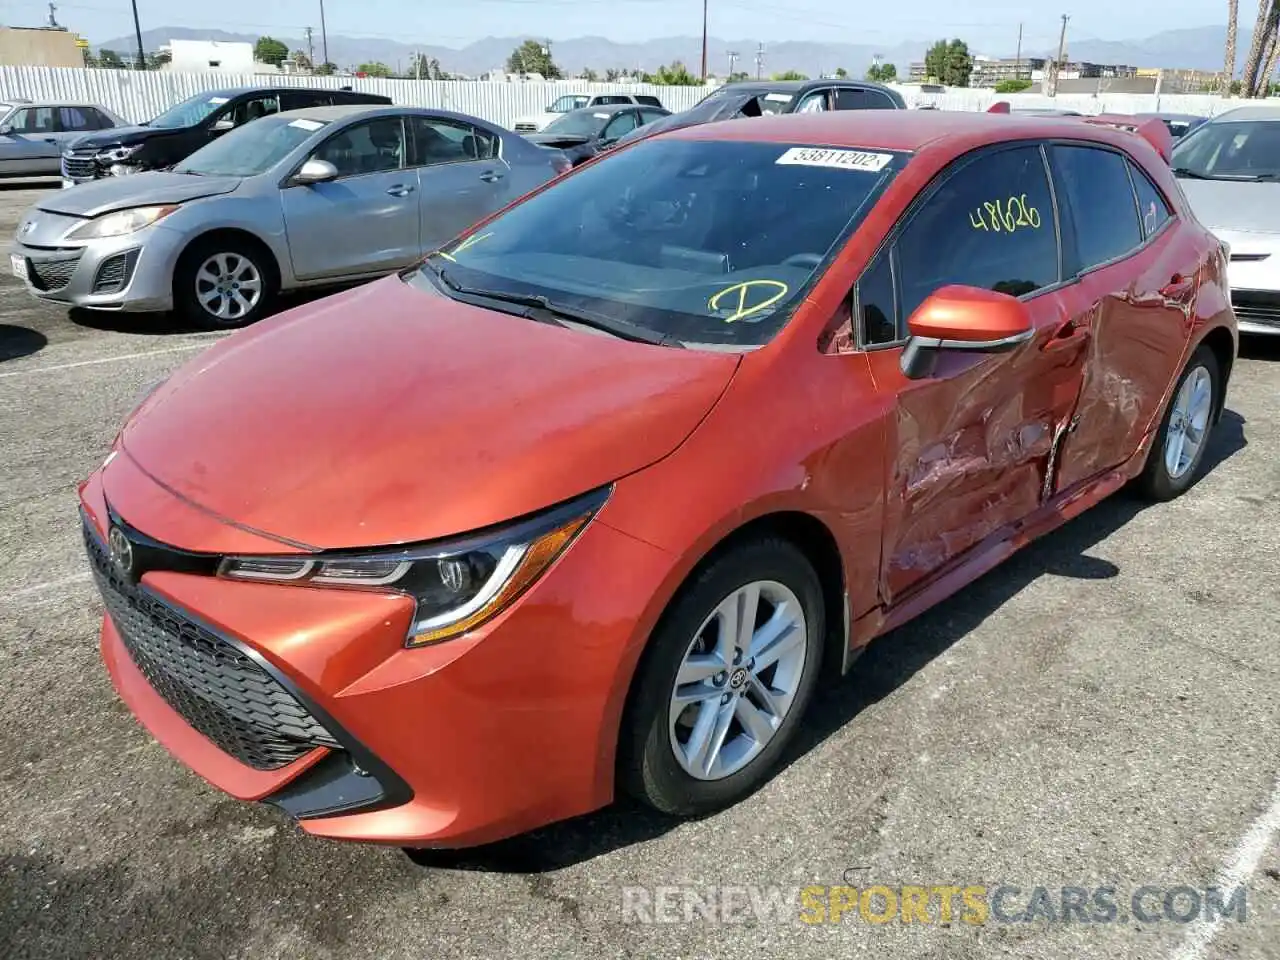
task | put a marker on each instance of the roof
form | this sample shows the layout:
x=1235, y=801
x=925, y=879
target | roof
x=609, y=108
x=272, y=88
x=794, y=86
x=1176, y=117
x=54, y=103
x=1241, y=114
x=904, y=130
x=345, y=110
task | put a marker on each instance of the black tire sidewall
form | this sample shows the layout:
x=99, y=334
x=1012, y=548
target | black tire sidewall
x=1156, y=481
x=648, y=766
x=184, y=286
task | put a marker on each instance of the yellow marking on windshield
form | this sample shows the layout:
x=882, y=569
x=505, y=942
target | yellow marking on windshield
x=741, y=310
x=466, y=244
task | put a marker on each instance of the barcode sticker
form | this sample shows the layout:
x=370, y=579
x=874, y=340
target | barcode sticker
x=840, y=159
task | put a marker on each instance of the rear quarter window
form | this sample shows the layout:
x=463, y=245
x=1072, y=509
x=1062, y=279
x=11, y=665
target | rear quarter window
x=1099, y=196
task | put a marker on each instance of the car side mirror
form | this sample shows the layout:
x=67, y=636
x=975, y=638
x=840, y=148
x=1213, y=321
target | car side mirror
x=6, y=130
x=315, y=171
x=963, y=318
x=223, y=125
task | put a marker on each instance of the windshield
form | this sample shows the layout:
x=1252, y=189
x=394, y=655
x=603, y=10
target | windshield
x=580, y=123
x=246, y=152
x=568, y=102
x=189, y=112
x=1240, y=150
x=701, y=241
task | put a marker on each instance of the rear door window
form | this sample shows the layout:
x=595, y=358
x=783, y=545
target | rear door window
x=73, y=119
x=1152, y=207
x=649, y=101
x=990, y=225
x=852, y=98
x=1100, y=201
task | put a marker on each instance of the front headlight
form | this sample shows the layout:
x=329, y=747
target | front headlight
x=120, y=223
x=117, y=154
x=457, y=585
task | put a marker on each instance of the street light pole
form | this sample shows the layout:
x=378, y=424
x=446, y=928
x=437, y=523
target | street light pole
x=137, y=30
x=324, y=35
x=704, y=41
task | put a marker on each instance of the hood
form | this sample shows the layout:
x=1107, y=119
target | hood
x=120, y=136
x=558, y=139
x=135, y=190
x=722, y=107
x=1234, y=205
x=392, y=414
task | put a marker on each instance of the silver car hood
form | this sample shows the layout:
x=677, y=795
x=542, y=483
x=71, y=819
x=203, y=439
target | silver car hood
x=135, y=190
x=1231, y=206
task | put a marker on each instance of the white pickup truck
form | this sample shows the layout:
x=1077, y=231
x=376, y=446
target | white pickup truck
x=576, y=101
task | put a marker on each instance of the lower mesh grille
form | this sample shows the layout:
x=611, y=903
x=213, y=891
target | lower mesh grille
x=219, y=690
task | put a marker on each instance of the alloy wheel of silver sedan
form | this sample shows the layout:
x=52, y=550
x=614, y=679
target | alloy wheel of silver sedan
x=738, y=680
x=228, y=286
x=1188, y=422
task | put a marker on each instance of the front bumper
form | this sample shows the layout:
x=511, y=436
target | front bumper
x=1257, y=311
x=129, y=273
x=497, y=732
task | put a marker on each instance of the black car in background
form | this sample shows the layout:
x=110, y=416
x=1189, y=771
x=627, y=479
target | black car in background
x=186, y=127
x=1178, y=124
x=754, y=98
x=581, y=134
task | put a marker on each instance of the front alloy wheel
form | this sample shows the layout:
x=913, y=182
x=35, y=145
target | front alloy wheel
x=229, y=287
x=725, y=679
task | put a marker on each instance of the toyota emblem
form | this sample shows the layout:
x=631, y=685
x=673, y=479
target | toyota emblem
x=121, y=550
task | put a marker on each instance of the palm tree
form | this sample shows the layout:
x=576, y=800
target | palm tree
x=1257, y=46
x=1229, y=68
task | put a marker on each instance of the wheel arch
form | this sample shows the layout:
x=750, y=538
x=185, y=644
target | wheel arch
x=237, y=235
x=1222, y=344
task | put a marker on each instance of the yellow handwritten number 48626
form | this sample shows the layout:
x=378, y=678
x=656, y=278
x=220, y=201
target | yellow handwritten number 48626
x=1006, y=216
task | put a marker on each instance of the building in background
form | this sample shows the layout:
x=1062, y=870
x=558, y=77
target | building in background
x=213, y=56
x=39, y=47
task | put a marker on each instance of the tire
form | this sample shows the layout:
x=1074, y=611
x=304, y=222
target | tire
x=1159, y=480
x=228, y=260
x=655, y=748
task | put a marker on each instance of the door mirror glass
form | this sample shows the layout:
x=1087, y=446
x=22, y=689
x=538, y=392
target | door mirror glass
x=316, y=171
x=6, y=130
x=223, y=125
x=964, y=318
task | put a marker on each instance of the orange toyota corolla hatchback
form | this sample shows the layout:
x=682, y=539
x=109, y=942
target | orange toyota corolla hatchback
x=588, y=500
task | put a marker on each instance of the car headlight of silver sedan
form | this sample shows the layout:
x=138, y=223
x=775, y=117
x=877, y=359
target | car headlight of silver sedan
x=457, y=585
x=121, y=222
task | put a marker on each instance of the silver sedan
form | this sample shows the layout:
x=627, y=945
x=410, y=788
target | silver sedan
x=327, y=195
x=32, y=135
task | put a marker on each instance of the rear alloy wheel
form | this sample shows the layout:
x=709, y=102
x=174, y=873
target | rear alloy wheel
x=223, y=285
x=726, y=678
x=1183, y=438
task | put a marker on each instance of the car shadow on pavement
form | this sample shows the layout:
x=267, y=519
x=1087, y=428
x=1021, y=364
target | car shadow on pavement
x=169, y=324
x=885, y=666
x=18, y=342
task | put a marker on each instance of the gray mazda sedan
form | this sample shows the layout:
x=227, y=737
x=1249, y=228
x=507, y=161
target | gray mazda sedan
x=327, y=195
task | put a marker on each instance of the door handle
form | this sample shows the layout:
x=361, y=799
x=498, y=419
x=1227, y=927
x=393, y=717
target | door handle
x=400, y=190
x=1069, y=334
x=490, y=176
x=1179, y=288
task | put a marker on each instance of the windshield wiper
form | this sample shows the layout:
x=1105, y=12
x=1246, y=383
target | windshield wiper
x=1266, y=178
x=1190, y=174
x=556, y=313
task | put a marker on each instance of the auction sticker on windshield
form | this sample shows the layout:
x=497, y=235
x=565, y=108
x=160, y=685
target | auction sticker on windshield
x=303, y=124
x=219, y=100
x=841, y=159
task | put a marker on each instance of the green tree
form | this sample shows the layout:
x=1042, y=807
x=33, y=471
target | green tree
x=157, y=60
x=301, y=60
x=738, y=76
x=590, y=75
x=882, y=73
x=675, y=75
x=948, y=62
x=841, y=72
x=1013, y=86
x=375, y=69
x=326, y=69
x=533, y=57
x=110, y=60
x=270, y=50
x=789, y=75
x=612, y=75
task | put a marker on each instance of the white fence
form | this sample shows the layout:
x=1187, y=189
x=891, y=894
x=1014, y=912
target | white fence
x=137, y=96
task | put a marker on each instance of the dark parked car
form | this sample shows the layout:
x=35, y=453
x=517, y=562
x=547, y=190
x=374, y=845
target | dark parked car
x=1179, y=124
x=186, y=127
x=753, y=98
x=581, y=134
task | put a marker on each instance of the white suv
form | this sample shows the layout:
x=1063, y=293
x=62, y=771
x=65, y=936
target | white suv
x=576, y=101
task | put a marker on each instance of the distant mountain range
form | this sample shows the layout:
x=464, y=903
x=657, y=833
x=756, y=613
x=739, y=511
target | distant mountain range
x=1199, y=48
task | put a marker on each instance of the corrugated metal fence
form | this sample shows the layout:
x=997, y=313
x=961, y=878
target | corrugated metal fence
x=139, y=96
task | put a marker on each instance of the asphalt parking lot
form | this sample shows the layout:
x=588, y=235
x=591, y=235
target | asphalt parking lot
x=1101, y=711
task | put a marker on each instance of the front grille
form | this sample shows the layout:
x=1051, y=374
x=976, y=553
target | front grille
x=79, y=167
x=54, y=274
x=115, y=272
x=526, y=128
x=219, y=690
x=1260, y=308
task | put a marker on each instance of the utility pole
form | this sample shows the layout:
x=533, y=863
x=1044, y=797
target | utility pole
x=733, y=59
x=704, y=41
x=1062, y=48
x=760, y=61
x=311, y=51
x=137, y=30
x=1017, y=60
x=53, y=19
x=324, y=34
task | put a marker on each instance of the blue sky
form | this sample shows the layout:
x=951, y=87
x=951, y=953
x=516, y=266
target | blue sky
x=456, y=23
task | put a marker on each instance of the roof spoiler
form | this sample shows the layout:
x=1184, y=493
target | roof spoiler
x=1000, y=107
x=1152, y=130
